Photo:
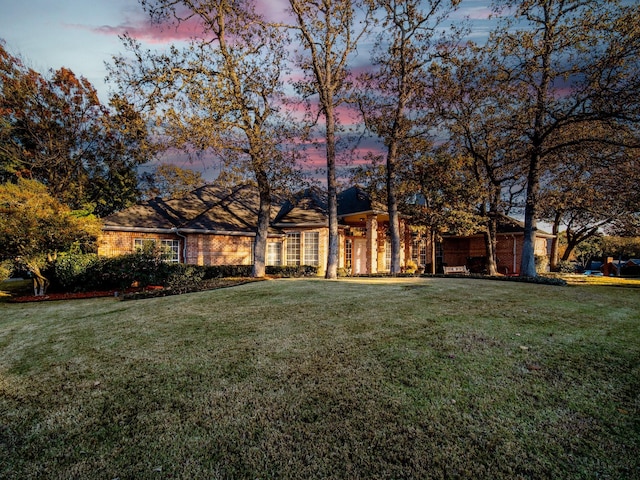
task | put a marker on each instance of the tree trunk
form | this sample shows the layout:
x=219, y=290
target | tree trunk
x=555, y=243
x=490, y=238
x=528, y=261
x=432, y=234
x=332, y=195
x=262, y=231
x=392, y=206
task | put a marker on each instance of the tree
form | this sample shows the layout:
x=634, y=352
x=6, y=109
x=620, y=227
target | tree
x=449, y=195
x=327, y=31
x=34, y=227
x=170, y=181
x=579, y=63
x=591, y=189
x=221, y=93
x=55, y=130
x=477, y=111
x=394, y=95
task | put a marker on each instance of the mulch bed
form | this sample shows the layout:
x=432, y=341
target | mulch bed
x=137, y=293
x=62, y=296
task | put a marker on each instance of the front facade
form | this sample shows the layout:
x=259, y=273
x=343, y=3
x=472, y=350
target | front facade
x=216, y=226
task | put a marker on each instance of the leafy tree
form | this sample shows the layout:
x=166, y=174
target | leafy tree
x=55, y=130
x=477, y=111
x=589, y=190
x=170, y=181
x=394, y=95
x=34, y=227
x=328, y=33
x=221, y=93
x=579, y=63
x=449, y=195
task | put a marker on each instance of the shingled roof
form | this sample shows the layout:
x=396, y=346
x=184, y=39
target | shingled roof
x=214, y=209
x=211, y=209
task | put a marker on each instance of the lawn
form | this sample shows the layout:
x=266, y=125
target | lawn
x=407, y=378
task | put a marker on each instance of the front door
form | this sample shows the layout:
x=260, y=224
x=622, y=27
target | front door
x=359, y=256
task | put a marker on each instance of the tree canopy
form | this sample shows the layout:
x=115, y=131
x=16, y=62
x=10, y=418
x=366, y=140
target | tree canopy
x=34, y=226
x=55, y=130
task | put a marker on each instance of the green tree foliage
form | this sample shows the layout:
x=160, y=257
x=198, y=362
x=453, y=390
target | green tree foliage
x=477, y=111
x=55, y=130
x=34, y=227
x=394, y=95
x=220, y=94
x=169, y=181
x=591, y=189
x=578, y=62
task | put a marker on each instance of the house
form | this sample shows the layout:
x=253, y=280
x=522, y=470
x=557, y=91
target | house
x=215, y=225
x=471, y=251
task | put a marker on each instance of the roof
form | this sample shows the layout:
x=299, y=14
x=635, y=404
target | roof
x=356, y=200
x=308, y=207
x=207, y=209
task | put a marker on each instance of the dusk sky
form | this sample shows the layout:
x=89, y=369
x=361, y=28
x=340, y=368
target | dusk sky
x=83, y=34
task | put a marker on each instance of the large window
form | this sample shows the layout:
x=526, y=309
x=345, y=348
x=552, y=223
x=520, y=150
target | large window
x=303, y=249
x=274, y=253
x=311, y=248
x=170, y=248
x=293, y=248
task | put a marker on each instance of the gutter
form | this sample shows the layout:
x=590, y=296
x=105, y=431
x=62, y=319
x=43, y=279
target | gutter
x=184, y=244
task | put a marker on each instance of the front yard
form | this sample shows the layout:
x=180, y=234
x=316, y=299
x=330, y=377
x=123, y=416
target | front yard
x=358, y=378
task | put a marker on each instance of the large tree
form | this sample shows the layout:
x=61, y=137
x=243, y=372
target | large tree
x=477, y=110
x=34, y=227
x=55, y=130
x=222, y=93
x=579, y=63
x=394, y=98
x=329, y=32
x=590, y=190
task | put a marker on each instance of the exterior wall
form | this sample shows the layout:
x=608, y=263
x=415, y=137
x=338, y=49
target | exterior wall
x=456, y=251
x=112, y=244
x=205, y=249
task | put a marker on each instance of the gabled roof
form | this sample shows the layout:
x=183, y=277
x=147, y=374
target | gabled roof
x=308, y=207
x=356, y=200
x=215, y=209
x=206, y=209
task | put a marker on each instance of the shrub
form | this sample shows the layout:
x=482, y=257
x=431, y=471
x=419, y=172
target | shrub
x=6, y=268
x=565, y=266
x=295, y=271
x=69, y=270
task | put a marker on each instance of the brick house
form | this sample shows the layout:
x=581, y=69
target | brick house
x=216, y=226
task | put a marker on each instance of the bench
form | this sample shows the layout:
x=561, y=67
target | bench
x=459, y=269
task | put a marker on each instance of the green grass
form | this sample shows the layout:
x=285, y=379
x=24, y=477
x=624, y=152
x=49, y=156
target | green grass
x=407, y=378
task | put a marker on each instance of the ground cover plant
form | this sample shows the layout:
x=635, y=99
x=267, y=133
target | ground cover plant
x=303, y=378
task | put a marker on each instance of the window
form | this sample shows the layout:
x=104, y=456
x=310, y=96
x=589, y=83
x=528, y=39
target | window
x=293, y=248
x=348, y=251
x=311, y=248
x=387, y=256
x=419, y=254
x=170, y=248
x=274, y=253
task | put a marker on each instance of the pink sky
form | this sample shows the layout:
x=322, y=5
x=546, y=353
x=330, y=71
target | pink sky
x=82, y=35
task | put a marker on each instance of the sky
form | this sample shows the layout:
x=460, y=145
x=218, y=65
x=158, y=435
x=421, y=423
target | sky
x=83, y=34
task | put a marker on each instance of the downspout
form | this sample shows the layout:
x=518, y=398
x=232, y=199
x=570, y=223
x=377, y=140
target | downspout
x=515, y=253
x=184, y=245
